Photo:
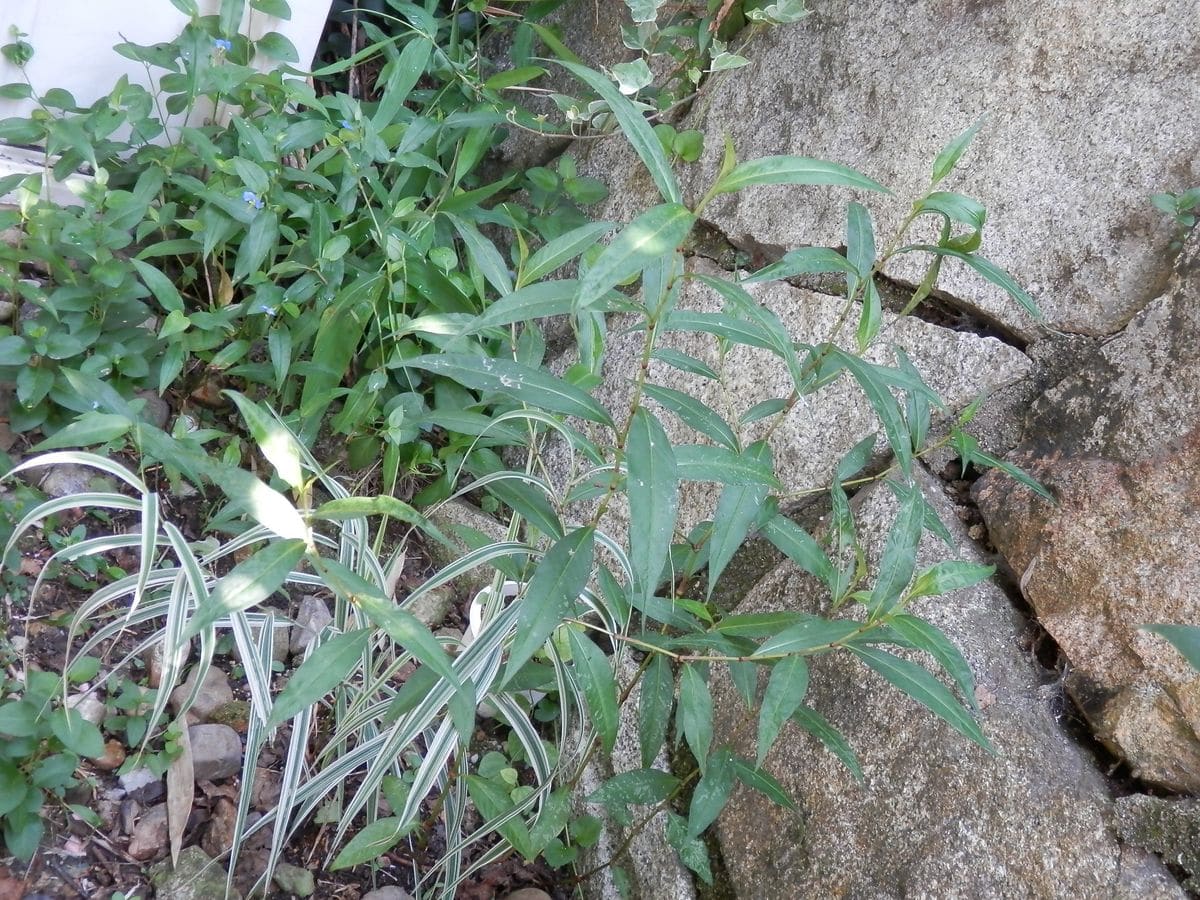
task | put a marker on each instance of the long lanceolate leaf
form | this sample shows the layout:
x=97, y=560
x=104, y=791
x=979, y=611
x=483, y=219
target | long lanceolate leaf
x=899, y=554
x=694, y=413
x=546, y=298
x=988, y=269
x=794, y=170
x=637, y=130
x=520, y=383
x=880, y=397
x=484, y=255
x=919, y=684
x=551, y=595
x=737, y=510
x=650, y=237
x=769, y=323
x=653, y=488
x=562, y=250
x=785, y=691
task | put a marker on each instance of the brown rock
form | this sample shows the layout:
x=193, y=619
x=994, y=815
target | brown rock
x=264, y=793
x=1117, y=553
x=214, y=693
x=150, y=833
x=113, y=757
x=218, y=834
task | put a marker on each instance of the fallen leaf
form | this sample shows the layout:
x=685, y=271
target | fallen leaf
x=181, y=783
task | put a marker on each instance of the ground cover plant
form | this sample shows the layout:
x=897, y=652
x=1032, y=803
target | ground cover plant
x=334, y=271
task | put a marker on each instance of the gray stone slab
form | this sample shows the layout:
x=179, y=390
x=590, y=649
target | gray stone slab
x=1089, y=111
x=937, y=817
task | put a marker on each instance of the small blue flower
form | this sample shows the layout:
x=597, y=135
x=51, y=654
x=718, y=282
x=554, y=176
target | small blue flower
x=346, y=124
x=222, y=44
x=266, y=309
x=252, y=198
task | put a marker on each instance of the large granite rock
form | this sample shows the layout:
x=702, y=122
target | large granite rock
x=1139, y=390
x=1116, y=553
x=1089, y=111
x=1168, y=827
x=1118, y=445
x=936, y=816
x=823, y=426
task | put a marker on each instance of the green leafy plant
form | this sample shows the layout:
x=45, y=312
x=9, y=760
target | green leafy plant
x=361, y=295
x=1182, y=208
x=560, y=631
x=44, y=742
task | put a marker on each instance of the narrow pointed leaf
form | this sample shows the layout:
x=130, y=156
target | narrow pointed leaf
x=818, y=726
x=949, y=575
x=695, y=713
x=807, y=636
x=794, y=170
x=521, y=383
x=923, y=687
x=722, y=325
x=763, y=782
x=711, y=793
x=924, y=636
x=323, y=670
x=736, y=513
x=860, y=244
x=750, y=309
x=248, y=583
x=800, y=547
x=870, y=320
x=884, y=404
x=693, y=413
x=702, y=462
x=484, y=255
x=639, y=787
x=899, y=553
x=402, y=627
x=276, y=442
x=562, y=250
x=372, y=841
x=760, y=625
x=916, y=404
x=537, y=301
x=551, y=595
x=88, y=430
x=803, y=261
x=595, y=676
x=785, y=691
x=990, y=272
x=637, y=130
x=654, y=707
x=651, y=236
x=652, y=485
x=684, y=363
x=968, y=449
x=949, y=155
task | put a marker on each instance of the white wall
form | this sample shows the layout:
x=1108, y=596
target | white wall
x=73, y=40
